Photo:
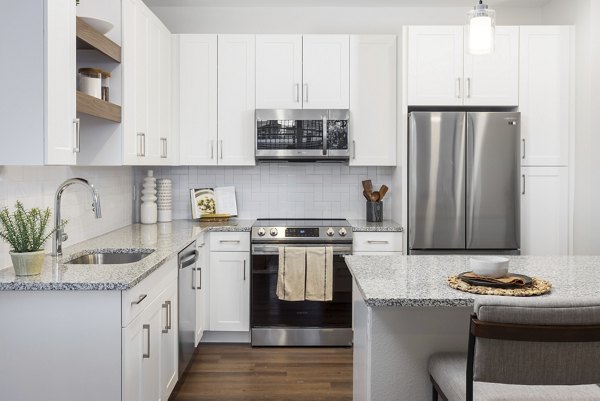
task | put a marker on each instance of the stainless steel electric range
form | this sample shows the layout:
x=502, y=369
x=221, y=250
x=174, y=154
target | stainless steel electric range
x=302, y=323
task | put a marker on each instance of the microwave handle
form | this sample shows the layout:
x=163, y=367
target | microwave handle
x=324, y=135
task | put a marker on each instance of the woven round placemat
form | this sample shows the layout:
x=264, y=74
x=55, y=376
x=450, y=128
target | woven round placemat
x=538, y=287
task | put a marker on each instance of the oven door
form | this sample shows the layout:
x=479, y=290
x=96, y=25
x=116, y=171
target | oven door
x=302, y=134
x=268, y=311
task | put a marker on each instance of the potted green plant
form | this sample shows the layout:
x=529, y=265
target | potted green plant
x=26, y=232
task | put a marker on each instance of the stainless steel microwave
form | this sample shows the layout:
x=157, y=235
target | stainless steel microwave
x=302, y=135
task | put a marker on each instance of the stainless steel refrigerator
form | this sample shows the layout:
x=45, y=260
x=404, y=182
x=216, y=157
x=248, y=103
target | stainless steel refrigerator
x=464, y=187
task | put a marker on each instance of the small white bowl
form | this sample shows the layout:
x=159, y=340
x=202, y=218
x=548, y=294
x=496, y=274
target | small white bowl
x=99, y=25
x=490, y=266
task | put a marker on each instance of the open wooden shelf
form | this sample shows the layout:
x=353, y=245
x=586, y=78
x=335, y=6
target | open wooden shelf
x=89, y=38
x=97, y=107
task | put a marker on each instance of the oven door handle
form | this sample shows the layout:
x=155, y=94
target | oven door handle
x=274, y=249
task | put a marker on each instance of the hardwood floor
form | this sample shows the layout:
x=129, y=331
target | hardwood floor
x=240, y=372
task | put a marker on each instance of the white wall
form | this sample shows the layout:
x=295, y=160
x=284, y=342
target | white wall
x=303, y=190
x=585, y=15
x=35, y=187
x=320, y=20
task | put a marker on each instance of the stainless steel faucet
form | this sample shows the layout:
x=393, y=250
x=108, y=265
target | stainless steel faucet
x=60, y=235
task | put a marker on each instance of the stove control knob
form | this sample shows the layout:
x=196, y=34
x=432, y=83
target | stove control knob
x=342, y=232
x=261, y=232
x=330, y=232
x=273, y=232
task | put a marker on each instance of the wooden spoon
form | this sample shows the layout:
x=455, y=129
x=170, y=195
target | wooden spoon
x=382, y=191
x=367, y=186
x=375, y=196
x=366, y=195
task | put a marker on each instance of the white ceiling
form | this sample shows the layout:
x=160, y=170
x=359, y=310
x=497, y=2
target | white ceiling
x=341, y=3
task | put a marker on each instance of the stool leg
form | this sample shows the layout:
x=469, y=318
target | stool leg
x=434, y=393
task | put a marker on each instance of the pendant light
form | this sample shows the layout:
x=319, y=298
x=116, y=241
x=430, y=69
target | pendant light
x=481, y=28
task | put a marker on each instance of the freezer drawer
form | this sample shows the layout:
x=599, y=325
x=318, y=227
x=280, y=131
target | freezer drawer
x=437, y=161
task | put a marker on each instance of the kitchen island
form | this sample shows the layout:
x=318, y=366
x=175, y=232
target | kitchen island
x=405, y=311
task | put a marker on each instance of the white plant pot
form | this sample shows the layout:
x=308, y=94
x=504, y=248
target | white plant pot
x=27, y=263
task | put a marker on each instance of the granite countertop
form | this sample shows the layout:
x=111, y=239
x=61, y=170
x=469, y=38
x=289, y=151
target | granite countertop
x=421, y=280
x=384, y=226
x=166, y=239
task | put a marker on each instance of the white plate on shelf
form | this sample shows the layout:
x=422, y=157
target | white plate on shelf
x=99, y=25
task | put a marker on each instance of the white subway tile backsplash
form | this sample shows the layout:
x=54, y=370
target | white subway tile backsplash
x=35, y=187
x=300, y=190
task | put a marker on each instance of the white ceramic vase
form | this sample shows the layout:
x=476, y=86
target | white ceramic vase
x=165, y=200
x=148, y=210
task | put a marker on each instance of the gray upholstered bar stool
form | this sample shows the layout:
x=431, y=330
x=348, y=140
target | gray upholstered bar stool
x=524, y=350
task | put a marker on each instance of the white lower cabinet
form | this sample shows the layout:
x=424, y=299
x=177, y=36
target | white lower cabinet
x=150, y=344
x=377, y=243
x=545, y=211
x=201, y=288
x=229, y=285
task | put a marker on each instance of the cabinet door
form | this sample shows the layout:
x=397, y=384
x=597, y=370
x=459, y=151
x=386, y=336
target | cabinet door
x=60, y=83
x=326, y=72
x=169, y=347
x=435, y=65
x=153, y=110
x=135, y=81
x=201, y=282
x=545, y=95
x=165, y=137
x=229, y=291
x=141, y=357
x=278, y=71
x=544, y=211
x=493, y=80
x=236, y=100
x=373, y=101
x=197, y=99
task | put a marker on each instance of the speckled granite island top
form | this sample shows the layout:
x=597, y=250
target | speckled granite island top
x=166, y=239
x=421, y=280
x=366, y=226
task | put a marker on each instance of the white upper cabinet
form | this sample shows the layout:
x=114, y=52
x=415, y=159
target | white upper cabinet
x=278, y=71
x=236, y=100
x=37, y=103
x=295, y=71
x=435, y=65
x=373, y=100
x=545, y=211
x=441, y=72
x=545, y=94
x=147, y=80
x=326, y=72
x=197, y=91
x=493, y=80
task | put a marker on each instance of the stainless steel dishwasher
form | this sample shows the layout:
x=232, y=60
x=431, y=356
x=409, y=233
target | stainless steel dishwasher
x=187, y=304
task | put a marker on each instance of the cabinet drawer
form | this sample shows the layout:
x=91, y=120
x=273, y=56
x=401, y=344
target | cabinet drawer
x=136, y=299
x=377, y=242
x=230, y=242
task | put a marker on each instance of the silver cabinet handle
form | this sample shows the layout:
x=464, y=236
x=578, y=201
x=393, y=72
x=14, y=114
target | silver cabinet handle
x=141, y=144
x=523, y=180
x=458, y=88
x=523, y=149
x=378, y=242
x=140, y=299
x=169, y=315
x=221, y=148
x=305, y=94
x=199, y=277
x=244, y=269
x=163, y=148
x=146, y=355
x=194, y=278
x=77, y=123
x=297, y=92
x=353, y=149
x=165, y=306
x=468, y=87
x=212, y=149
x=229, y=241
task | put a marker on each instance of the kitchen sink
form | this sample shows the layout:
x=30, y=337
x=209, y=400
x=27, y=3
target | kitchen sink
x=116, y=257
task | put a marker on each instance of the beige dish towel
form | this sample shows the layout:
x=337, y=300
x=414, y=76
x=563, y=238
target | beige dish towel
x=291, y=276
x=319, y=273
